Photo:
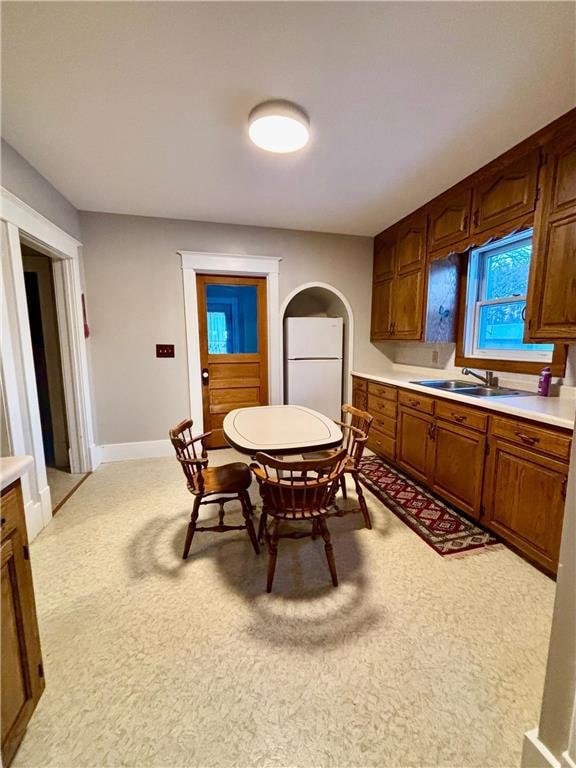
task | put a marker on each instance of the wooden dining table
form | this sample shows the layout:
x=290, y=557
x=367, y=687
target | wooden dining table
x=280, y=429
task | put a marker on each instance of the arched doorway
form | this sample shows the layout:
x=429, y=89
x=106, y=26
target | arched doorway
x=323, y=300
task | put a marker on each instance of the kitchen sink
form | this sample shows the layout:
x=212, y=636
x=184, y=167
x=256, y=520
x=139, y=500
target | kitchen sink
x=452, y=384
x=468, y=388
x=495, y=392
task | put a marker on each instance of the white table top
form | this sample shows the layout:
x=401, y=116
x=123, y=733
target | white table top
x=280, y=429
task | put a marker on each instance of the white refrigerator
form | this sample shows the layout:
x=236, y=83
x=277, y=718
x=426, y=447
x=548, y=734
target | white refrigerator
x=313, y=363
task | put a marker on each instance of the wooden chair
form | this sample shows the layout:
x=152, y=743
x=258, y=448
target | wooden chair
x=298, y=491
x=355, y=426
x=204, y=483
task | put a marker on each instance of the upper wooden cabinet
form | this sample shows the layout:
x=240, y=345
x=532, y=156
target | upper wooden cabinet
x=381, y=317
x=411, y=244
x=507, y=193
x=398, y=282
x=551, y=306
x=384, y=251
x=408, y=305
x=449, y=220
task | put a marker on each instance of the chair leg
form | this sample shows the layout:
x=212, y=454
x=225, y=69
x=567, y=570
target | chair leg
x=247, y=512
x=329, y=549
x=343, y=485
x=272, y=554
x=314, y=530
x=191, y=526
x=262, y=526
x=362, y=501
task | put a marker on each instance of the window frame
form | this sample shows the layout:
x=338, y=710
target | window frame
x=475, y=301
x=462, y=358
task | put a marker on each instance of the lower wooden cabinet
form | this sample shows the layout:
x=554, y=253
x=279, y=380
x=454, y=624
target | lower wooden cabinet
x=509, y=474
x=457, y=467
x=21, y=659
x=413, y=442
x=523, y=501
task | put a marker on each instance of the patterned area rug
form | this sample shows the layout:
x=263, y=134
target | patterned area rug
x=443, y=528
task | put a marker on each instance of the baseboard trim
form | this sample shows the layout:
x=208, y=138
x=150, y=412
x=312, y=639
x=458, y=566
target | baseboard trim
x=46, y=505
x=33, y=517
x=95, y=457
x=535, y=754
x=149, y=449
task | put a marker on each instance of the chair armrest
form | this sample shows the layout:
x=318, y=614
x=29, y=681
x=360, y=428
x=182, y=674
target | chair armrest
x=201, y=463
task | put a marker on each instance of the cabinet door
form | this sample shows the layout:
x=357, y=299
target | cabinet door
x=381, y=310
x=508, y=193
x=524, y=500
x=411, y=245
x=384, y=250
x=551, y=307
x=22, y=673
x=458, y=465
x=407, y=306
x=359, y=393
x=449, y=220
x=413, y=441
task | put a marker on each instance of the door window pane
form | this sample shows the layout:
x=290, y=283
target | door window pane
x=232, y=319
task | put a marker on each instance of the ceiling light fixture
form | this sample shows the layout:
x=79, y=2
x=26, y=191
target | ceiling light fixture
x=279, y=126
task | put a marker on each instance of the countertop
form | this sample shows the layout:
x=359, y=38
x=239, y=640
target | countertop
x=13, y=467
x=558, y=411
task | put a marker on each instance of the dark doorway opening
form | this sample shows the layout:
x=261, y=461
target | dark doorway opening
x=42, y=314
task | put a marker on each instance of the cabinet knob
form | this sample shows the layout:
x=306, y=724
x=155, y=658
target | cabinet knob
x=457, y=417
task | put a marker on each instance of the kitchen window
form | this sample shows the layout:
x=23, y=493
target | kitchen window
x=496, y=302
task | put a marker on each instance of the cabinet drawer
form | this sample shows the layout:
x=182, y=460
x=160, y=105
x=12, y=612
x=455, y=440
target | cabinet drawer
x=385, y=424
x=537, y=438
x=12, y=507
x=382, y=390
x=383, y=445
x=458, y=414
x=379, y=407
x=417, y=401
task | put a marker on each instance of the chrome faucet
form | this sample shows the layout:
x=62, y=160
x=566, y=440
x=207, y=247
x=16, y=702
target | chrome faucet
x=489, y=380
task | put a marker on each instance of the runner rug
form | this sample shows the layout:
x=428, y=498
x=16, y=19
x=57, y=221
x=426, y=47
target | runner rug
x=443, y=528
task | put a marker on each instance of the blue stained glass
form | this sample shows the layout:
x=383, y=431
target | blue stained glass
x=232, y=319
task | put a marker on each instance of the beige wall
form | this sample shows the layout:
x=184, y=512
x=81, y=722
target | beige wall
x=135, y=300
x=24, y=181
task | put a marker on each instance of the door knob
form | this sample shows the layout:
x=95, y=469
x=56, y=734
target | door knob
x=205, y=376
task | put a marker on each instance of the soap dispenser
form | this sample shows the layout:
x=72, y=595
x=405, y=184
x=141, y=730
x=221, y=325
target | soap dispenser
x=544, y=382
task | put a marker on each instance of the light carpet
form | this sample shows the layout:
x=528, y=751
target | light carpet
x=414, y=660
x=61, y=483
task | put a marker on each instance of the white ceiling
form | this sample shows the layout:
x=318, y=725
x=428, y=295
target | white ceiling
x=141, y=107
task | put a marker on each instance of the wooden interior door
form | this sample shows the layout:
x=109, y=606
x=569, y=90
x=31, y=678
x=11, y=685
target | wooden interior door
x=232, y=321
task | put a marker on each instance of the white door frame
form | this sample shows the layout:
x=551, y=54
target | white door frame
x=17, y=363
x=196, y=262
